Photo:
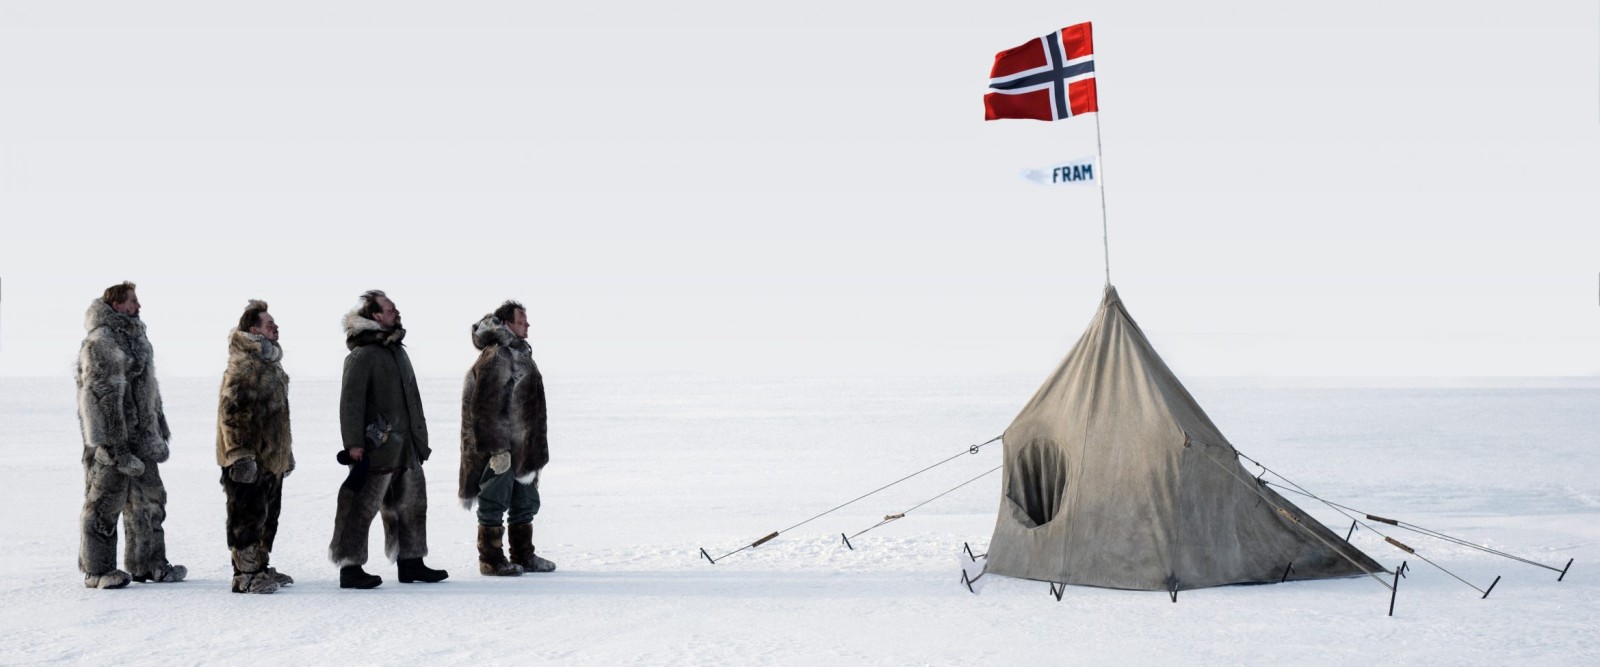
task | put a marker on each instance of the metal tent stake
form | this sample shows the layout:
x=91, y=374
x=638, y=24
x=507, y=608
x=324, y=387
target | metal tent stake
x=1395, y=589
x=1491, y=589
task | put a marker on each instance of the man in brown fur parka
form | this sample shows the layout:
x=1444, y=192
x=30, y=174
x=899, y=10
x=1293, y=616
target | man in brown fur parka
x=253, y=447
x=503, y=442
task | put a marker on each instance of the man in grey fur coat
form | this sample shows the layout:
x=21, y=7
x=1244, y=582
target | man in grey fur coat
x=503, y=441
x=253, y=447
x=125, y=435
x=385, y=444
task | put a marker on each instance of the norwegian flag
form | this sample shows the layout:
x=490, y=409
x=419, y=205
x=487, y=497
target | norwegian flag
x=1049, y=78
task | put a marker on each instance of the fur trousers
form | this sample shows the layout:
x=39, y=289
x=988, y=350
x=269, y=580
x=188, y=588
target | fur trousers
x=141, y=502
x=252, y=519
x=402, y=498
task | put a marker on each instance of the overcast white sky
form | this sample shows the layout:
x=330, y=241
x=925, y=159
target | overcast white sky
x=1294, y=189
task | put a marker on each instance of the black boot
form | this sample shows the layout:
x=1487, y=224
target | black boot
x=412, y=570
x=352, y=576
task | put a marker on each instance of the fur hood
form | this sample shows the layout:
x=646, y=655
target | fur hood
x=360, y=330
x=119, y=401
x=101, y=314
x=253, y=405
x=244, y=343
x=492, y=330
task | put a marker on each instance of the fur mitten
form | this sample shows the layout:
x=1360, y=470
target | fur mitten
x=500, y=463
x=158, y=451
x=129, y=465
x=243, y=471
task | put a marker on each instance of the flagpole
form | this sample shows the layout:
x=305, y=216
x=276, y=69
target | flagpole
x=1104, y=228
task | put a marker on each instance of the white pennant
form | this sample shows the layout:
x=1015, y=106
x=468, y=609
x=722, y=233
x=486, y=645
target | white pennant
x=1082, y=171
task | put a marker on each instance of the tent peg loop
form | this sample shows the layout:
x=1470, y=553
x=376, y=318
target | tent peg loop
x=1564, y=570
x=707, y=556
x=1491, y=588
x=847, y=541
x=1058, y=590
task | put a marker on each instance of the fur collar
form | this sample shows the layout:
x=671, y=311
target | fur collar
x=360, y=331
x=246, y=343
x=102, y=315
x=492, y=331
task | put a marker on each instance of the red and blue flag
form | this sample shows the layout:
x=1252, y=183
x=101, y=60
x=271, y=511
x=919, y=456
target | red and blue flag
x=1049, y=78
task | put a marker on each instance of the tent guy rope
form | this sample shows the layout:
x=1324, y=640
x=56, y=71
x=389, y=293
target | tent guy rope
x=1387, y=539
x=901, y=515
x=972, y=449
x=1422, y=531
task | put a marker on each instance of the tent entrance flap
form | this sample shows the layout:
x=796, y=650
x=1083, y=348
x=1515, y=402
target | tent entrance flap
x=1038, y=481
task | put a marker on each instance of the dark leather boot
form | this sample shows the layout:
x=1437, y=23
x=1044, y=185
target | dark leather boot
x=492, y=553
x=352, y=576
x=412, y=571
x=521, y=535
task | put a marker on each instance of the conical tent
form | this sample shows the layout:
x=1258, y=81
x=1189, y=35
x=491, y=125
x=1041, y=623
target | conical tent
x=1115, y=477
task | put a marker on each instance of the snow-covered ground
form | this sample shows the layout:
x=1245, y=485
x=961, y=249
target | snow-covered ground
x=648, y=470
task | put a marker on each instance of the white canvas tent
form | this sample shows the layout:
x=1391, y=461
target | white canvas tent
x=1115, y=477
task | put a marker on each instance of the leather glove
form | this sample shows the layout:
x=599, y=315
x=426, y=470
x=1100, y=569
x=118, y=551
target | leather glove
x=130, y=465
x=243, y=471
x=500, y=463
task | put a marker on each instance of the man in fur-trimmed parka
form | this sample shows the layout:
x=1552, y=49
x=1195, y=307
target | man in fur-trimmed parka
x=385, y=444
x=503, y=441
x=253, y=447
x=125, y=435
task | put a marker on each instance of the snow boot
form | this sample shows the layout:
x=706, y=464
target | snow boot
x=492, y=554
x=412, y=570
x=107, y=580
x=352, y=576
x=165, y=574
x=279, y=577
x=254, y=582
x=522, y=550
